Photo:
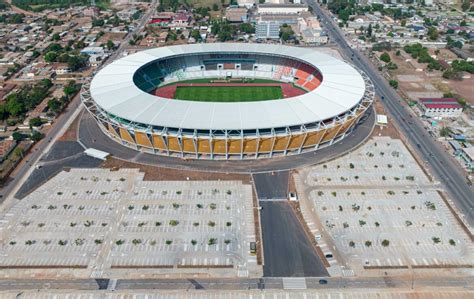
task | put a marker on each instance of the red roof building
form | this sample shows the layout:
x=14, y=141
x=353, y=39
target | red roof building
x=440, y=107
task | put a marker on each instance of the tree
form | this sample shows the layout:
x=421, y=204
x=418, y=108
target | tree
x=76, y=62
x=444, y=132
x=17, y=136
x=14, y=107
x=247, y=28
x=36, y=136
x=385, y=243
x=97, y=23
x=385, y=57
x=393, y=83
x=70, y=88
x=3, y=112
x=54, y=105
x=51, y=56
x=369, y=30
x=466, y=4
x=196, y=35
x=215, y=7
x=110, y=45
x=36, y=122
x=18, y=151
x=433, y=33
x=56, y=37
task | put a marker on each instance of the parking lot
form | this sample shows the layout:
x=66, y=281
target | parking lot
x=103, y=222
x=380, y=210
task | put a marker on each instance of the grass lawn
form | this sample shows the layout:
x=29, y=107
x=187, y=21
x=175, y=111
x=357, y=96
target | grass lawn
x=228, y=93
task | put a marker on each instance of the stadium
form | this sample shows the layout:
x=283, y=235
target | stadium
x=228, y=101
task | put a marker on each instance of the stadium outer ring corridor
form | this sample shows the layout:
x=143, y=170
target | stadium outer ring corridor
x=231, y=130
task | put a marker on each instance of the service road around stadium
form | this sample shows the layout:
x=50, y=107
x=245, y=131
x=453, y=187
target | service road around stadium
x=136, y=118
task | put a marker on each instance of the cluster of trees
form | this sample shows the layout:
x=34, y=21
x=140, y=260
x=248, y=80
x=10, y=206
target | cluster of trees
x=166, y=5
x=12, y=19
x=18, y=103
x=385, y=57
x=40, y=5
x=286, y=32
x=456, y=69
x=345, y=8
x=3, y=5
x=417, y=51
x=70, y=90
x=383, y=46
x=225, y=31
x=463, y=66
x=56, y=53
x=466, y=5
x=453, y=44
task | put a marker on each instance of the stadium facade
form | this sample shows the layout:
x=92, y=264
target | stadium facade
x=120, y=97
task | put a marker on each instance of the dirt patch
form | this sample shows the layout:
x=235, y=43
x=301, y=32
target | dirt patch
x=71, y=132
x=389, y=129
x=256, y=219
x=154, y=173
x=464, y=88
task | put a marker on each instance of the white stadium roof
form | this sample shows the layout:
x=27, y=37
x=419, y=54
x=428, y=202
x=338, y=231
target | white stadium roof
x=114, y=91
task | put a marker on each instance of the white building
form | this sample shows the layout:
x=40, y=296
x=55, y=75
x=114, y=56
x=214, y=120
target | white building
x=274, y=9
x=440, y=107
x=467, y=154
x=267, y=30
x=246, y=3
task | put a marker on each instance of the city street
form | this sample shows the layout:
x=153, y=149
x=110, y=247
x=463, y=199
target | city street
x=238, y=284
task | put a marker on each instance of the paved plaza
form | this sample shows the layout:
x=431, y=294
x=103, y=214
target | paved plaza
x=379, y=210
x=104, y=223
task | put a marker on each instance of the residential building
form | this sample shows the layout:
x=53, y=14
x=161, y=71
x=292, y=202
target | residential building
x=181, y=19
x=61, y=69
x=313, y=36
x=246, y=3
x=91, y=11
x=235, y=14
x=93, y=50
x=267, y=30
x=440, y=107
x=287, y=8
x=6, y=146
x=467, y=155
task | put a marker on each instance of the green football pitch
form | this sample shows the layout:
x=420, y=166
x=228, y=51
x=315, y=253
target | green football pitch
x=228, y=93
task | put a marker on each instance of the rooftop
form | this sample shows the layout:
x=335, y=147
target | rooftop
x=114, y=91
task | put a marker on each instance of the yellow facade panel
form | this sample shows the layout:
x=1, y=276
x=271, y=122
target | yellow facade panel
x=234, y=146
x=188, y=145
x=158, y=142
x=173, y=144
x=313, y=138
x=331, y=133
x=265, y=145
x=112, y=131
x=296, y=141
x=126, y=135
x=204, y=146
x=280, y=143
x=142, y=139
x=346, y=126
x=219, y=146
x=250, y=146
